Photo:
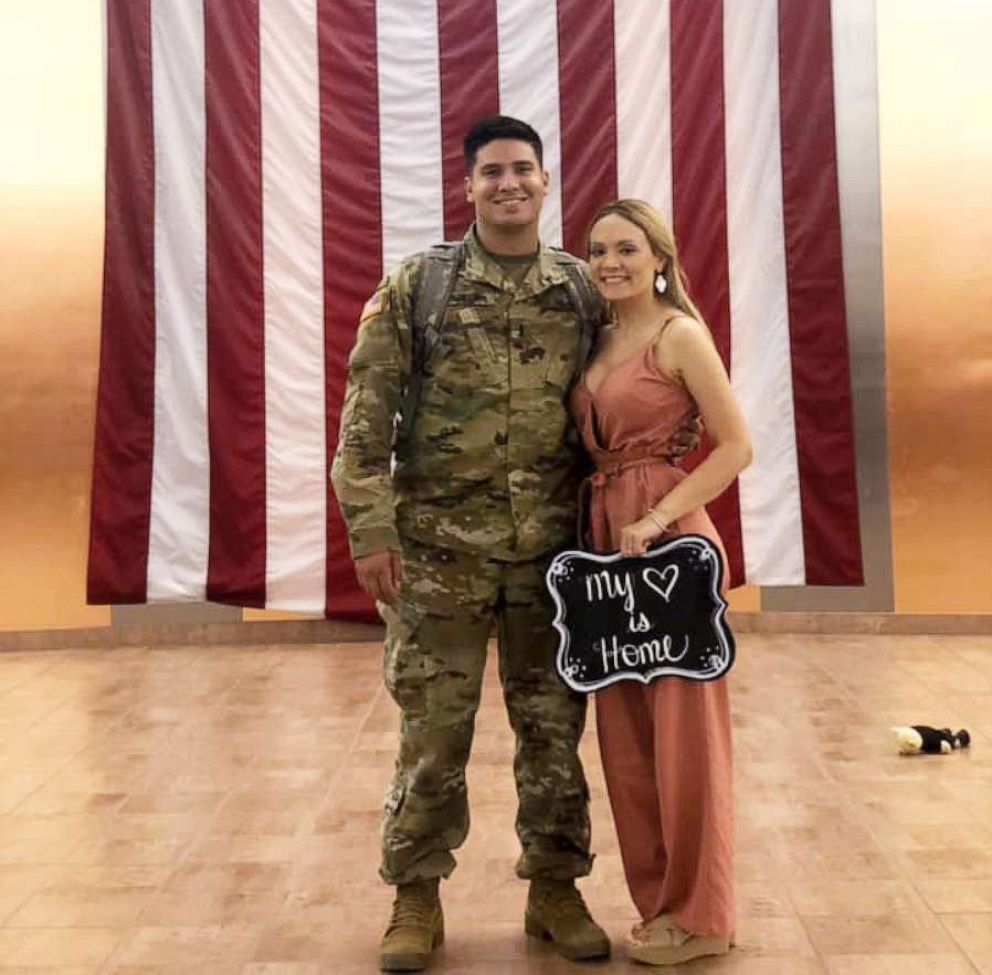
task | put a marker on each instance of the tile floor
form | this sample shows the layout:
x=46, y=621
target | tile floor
x=216, y=811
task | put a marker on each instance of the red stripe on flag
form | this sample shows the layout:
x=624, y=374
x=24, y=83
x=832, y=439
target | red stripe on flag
x=352, y=221
x=817, y=318
x=587, y=100
x=122, y=463
x=235, y=325
x=699, y=178
x=469, y=91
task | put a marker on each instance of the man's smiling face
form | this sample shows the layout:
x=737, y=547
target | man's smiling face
x=507, y=185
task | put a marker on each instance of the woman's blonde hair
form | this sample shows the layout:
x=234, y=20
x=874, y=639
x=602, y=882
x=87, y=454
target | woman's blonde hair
x=662, y=242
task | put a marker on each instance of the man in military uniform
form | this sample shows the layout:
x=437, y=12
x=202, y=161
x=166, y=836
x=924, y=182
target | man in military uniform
x=452, y=524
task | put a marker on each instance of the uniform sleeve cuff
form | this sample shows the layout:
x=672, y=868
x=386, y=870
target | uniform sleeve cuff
x=369, y=541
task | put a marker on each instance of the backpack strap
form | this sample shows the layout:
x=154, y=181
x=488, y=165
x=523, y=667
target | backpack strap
x=585, y=300
x=439, y=269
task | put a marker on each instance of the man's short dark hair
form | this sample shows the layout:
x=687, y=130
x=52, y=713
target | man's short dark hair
x=500, y=127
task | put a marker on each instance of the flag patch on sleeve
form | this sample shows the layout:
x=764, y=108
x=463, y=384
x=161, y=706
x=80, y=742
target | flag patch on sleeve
x=371, y=307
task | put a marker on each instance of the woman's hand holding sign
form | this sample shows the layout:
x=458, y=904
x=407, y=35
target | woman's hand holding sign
x=637, y=537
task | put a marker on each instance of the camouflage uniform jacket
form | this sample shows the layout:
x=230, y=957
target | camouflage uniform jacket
x=492, y=464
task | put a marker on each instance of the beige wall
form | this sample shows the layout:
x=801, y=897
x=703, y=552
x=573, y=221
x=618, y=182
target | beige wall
x=936, y=150
x=51, y=236
x=936, y=153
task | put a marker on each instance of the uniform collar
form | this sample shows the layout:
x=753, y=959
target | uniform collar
x=479, y=265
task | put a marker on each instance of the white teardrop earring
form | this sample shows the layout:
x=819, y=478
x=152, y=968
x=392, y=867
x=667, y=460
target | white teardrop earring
x=660, y=283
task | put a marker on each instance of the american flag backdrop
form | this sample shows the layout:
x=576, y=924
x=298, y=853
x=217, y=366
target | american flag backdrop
x=267, y=160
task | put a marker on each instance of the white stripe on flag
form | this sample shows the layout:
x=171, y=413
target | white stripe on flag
x=180, y=498
x=527, y=32
x=644, y=93
x=295, y=438
x=853, y=28
x=409, y=127
x=771, y=516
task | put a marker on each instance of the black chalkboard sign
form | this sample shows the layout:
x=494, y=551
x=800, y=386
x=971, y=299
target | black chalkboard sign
x=640, y=618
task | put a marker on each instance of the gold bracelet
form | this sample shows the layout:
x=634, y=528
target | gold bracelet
x=652, y=514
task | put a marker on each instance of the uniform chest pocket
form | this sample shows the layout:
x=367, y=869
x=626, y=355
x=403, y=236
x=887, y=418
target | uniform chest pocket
x=468, y=357
x=544, y=353
x=481, y=346
x=555, y=300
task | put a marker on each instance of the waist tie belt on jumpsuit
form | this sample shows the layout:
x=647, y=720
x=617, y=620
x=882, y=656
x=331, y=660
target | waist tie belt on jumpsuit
x=611, y=464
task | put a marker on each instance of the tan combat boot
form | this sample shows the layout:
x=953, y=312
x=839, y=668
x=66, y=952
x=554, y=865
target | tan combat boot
x=415, y=929
x=557, y=913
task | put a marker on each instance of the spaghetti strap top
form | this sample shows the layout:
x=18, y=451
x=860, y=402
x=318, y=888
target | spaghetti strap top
x=628, y=426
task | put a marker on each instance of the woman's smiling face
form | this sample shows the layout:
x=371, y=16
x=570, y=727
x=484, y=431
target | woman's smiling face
x=620, y=258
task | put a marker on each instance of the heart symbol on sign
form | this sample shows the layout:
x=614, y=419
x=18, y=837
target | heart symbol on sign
x=667, y=578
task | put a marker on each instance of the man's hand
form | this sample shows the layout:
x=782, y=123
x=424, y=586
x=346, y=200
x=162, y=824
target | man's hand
x=381, y=575
x=686, y=439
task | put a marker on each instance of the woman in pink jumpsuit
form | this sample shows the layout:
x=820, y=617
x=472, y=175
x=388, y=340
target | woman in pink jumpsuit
x=666, y=746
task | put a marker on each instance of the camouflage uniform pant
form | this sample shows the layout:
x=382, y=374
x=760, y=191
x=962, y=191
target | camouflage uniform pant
x=434, y=661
